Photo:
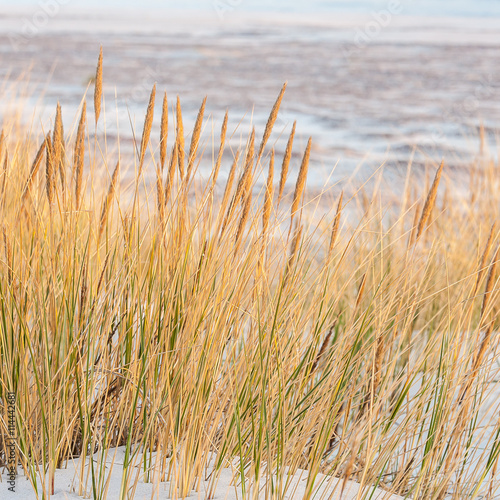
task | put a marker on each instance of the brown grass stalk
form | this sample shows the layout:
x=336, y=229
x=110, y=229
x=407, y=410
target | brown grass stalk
x=79, y=156
x=49, y=171
x=98, y=88
x=484, y=257
x=160, y=196
x=268, y=196
x=489, y=286
x=164, y=131
x=361, y=291
x=107, y=201
x=195, y=138
x=301, y=182
x=335, y=227
x=229, y=183
x=286, y=163
x=170, y=175
x=242, y=222
x=429, y=202
x=218, y=162
x=58, y=147
x=35, y=167
x=180, y=139
x=270, y=123
x=146, y=131
x=8, y=256
x=324, y=345
x=245, y=179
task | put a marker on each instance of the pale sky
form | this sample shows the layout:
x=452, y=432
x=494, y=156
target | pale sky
x=476, y=8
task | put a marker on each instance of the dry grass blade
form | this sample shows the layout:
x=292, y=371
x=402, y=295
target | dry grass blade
x=484, y=257
x=229, y=183
x=34, y=169
x=160, y=195
x=58, y=147
x=270, y=123
x=170, y=175
x=429, y=202
x=243, y=220
x=108, y=200
x=5, y=168
x=294, y=249
x=8, y=255
x=413, y=231
x=323, y=348
x=286, y=163
x=361, y=291
x=218, y=162
x=83, y=294
x=180, y=139
x=164, y=131
x=241, y=188
x=146, y=131
x=301, y=182
x=489, y=285
x=49, y=171
x=79, y=156
x=98, y=88
x=268, y=196
x=195, y=139
x=335, y=227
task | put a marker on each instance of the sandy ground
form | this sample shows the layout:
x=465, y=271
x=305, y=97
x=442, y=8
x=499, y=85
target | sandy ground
x=67, y=483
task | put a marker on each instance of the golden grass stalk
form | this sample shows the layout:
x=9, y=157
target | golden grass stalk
x=160, y=196
x=35, y=166
x=245, y=178
x=242, y=222
x=79, y=156
x=195, y=138
x=180, y=139
x=335, y=227
x=8, y=255
x=83, y=294
x=229, y=183
x=146, y=131
x=218, y=162
x=170, y=175
x=5, y=168
x=286, y=163
x=477, y=362
x=485, y=255
x=414, y=226
x=268, y=196
x=301, y=182
x=324, y=346
x=58, y=147
x=429, y=202
x=98, y=88
x=164, y=131
x=294, y=249
x=489, y=285
x=270, y=123
x=107, y=201
x=49, y=171
x=361, y=291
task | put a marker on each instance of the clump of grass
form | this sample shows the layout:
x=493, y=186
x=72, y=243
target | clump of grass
x=200, y=330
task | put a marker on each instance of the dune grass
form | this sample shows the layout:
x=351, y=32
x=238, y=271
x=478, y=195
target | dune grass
x=200, y=324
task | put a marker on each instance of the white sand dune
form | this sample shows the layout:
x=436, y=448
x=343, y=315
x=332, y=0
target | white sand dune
x=66, y=485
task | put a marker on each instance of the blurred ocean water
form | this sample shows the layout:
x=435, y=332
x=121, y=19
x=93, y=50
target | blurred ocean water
x=372, y=82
